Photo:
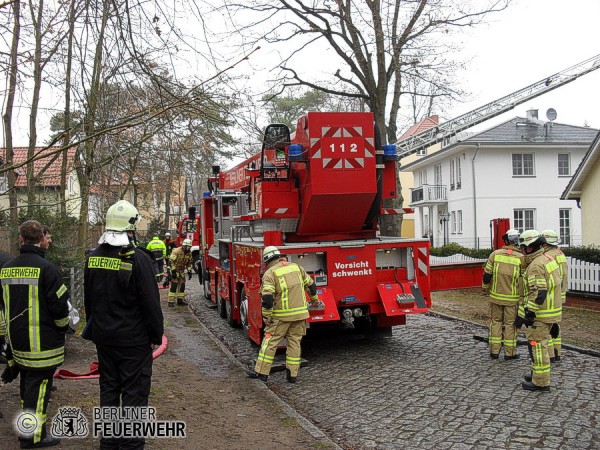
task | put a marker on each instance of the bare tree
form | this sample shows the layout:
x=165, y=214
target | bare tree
x=379, y=45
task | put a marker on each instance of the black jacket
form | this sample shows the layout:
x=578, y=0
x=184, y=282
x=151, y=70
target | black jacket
x=35, y=305
x=122, y=316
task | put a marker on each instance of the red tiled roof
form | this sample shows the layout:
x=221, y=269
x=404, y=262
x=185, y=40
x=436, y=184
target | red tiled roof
x=424, y=124
x=51, y=174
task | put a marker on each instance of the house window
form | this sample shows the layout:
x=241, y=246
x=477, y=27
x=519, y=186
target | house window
x=564, y=217
x=458, y=173
x=459, y=228
x=524, y=219
x=522, y=164
x=3, y=183
x=452, y=177
x=438, y=174
x=453, y=222
x=564, y=165
x=71, y=184
x=422, y=178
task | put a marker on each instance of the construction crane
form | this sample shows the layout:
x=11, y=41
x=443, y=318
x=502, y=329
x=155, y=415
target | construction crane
x=427, y=138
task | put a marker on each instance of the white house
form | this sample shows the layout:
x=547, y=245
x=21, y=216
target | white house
x=516, y=170
x=584, y=188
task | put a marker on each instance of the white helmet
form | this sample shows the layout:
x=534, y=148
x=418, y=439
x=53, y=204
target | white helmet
x=167, y=234
x=186, y=243
x=511, y=237
x=122, y=216
x=271, y=252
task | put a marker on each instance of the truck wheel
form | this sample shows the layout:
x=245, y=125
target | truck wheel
x=230, y=320
x=206, y=283
x=221, y=308
x=244, y=311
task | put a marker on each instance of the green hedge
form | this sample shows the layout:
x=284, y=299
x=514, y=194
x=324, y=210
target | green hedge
x=589, y=253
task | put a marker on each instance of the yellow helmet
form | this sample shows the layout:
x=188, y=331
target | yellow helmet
x=122, y=216
x=531, y=238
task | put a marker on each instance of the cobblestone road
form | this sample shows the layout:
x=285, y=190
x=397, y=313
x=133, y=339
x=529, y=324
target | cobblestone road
x=431, y=385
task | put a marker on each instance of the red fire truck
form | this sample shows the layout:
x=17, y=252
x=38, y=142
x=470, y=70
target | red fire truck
x=317, y=195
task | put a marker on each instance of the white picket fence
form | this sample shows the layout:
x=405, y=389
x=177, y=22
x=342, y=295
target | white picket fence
x=583, y=276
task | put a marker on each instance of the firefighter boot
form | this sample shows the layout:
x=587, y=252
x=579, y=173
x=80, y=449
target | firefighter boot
x=527, y=377
x=289, y=377
x=171, y=303
x=181, y=302
x=251, y=373
x=529, y=386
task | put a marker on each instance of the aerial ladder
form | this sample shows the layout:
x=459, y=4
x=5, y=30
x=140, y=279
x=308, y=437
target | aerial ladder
x=446, y=130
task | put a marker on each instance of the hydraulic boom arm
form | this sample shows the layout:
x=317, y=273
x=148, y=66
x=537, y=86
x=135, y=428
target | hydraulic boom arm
x=448, y=129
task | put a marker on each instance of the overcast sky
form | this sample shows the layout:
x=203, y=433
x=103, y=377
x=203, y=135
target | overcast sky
x=532, y=40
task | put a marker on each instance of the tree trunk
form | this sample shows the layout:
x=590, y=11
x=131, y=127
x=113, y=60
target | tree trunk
x=7, y=122
x=67, y=114
x=89, y=128
x=35, y=101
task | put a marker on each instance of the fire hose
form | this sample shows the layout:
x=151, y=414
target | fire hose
x=94, y=371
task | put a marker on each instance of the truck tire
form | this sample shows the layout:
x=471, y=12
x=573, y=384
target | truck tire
x=244, y=311
x=206, y=283
x=221, y=308
x=230, y=319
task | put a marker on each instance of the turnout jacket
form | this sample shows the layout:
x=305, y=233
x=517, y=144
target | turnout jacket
x=563, y=267
x=543, y=287
x=286, y=282
x=180, y=262
x=502, y=276
x=122, y=303
x=35, y=309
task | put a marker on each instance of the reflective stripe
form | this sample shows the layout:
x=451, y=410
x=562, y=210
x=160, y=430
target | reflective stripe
x=62, y=322
x=285, y=300
x=61, y=291
x=39, y=412
x=100, y=262
x=289, y=312
x=34, y=320
x=292, y=361
x=285, y=270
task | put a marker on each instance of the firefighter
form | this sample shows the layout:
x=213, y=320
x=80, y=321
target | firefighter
x=551, y=247
x=158, y=249
x=503, y=284
x=122, y=307
x=180, y=265
x=284, y=312
x=542, y=307
x=36, y=318
x=170, y=245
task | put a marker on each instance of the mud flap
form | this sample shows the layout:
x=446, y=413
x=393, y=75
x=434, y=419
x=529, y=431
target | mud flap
x=401, y=298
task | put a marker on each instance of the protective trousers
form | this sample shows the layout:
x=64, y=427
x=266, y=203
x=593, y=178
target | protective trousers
x=177, y=290
x=274, y=333
x=35, y=390
x=554, y=345
x=503, y=317
x=537, y=335
x=125, y=379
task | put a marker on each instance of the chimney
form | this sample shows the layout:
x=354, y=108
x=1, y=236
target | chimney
x=532, y=115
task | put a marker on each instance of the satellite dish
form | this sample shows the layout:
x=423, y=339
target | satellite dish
x=551, y=114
